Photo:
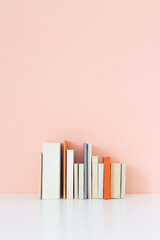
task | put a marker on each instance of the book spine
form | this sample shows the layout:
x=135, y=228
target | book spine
x=100, y=180
x=51, y=171
x=40, y=174
x=94, y=176
x=64, y=168
x=70, y=162
x=76, y=178
x=85, y=170
x=123, y=180
x=81, y=181
x=115, y=180
x=107, y=173
x=89, y=170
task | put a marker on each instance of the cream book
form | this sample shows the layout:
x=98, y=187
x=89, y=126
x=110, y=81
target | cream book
x=100, y=179
x=123, y=180
x=115, y=180
x=94, y=176
x=81, y=181
x=75, y=177
x=40, y=174
x=89, y=171
x=70, y=162
x=51, y=171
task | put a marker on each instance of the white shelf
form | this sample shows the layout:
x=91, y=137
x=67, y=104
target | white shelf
x=24, y=217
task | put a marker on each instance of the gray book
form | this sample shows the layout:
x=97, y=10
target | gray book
x=85, y=170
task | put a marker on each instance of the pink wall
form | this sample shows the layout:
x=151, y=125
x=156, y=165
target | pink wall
x=84, y=71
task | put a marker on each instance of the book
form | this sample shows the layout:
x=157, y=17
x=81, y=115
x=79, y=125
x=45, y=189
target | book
x=76, y=178
x=51, y=171
x=81, y=181
x=70, y=162
x=115, y=180
x=85, y=170
x=107, y=173
x=123, y=179
x=40, y=174
x=94, y=176
x=100, y=180
x=89, y=170
x=64, y=169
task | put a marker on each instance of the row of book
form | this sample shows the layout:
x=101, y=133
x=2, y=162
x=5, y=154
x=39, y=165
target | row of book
x=61, y=177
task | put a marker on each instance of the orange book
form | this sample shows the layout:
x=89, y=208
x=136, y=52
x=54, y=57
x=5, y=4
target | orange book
x=107, y=164
x=64, y=168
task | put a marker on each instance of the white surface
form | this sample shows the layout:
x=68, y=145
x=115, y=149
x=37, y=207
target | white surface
x=70, y=163
x=89, y=170
x=81, y=180
x=51, y=170
x=100, y=179
x=24, y=217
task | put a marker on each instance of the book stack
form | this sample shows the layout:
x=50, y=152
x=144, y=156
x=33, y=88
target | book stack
x=61, y=177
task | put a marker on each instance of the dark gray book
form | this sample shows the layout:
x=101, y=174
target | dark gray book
x=85, y=170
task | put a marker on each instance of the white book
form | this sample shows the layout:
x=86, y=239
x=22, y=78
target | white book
x=115, y=180
x=70, y=162
x=94, y=176
x=51, y=170
x=81, y=181
x=100, y=179
x=89, y=171
x=76, y=178
x=123, y=180
x=40, y=174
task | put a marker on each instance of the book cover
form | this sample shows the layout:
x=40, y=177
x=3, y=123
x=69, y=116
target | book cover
x=115, y=180
x=81, y=181
x=76, y=178
x=40, y=174
x=70, y=162
x=64, y=168
x=51, y=171
x=94, y=176
x=107, y=174
x=123, y=180
x=89, y=170
x=85, y=170
x=100, y=179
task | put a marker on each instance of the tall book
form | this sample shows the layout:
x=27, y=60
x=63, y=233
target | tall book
x=100, y=179
x=85, y=170
x=89, y=171
x=81, y=181
x=107, y=174
x=40, y=174
x=123, y=179
x=70, y=162
x=64, y=168
x=51, y=188
x=76, y=182
x=94, y=176
x=115, y=180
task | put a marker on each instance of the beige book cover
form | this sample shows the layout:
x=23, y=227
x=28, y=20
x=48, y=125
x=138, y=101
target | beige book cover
x=81, y=181
x=76, y=180
x=40, y=174
x=123, y=180
x=100, y=179
x=115, y=180
x=70, y=163
x=94, y=176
